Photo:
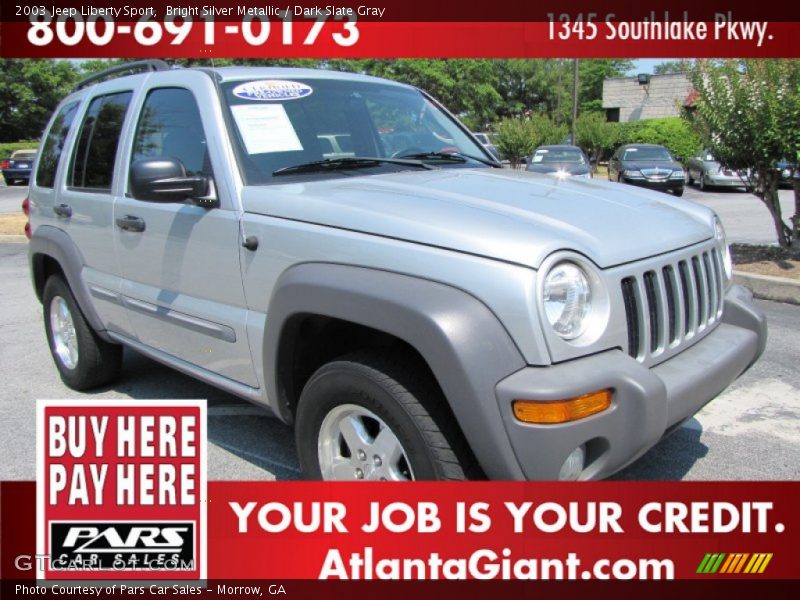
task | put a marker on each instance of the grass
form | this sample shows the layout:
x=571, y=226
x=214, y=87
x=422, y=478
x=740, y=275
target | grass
x=12, y=224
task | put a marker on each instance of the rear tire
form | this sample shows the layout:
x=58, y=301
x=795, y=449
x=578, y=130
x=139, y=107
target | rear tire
x=83, y=360
x=379, y=416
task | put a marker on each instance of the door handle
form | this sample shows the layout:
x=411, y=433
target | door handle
x=63, y=210
x=131, y=223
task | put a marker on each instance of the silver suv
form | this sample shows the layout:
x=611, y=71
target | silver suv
x=412, y=309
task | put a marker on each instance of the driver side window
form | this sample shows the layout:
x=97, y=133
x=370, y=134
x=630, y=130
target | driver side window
x=170, y=127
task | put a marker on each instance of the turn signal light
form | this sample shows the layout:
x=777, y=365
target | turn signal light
x=562, y=411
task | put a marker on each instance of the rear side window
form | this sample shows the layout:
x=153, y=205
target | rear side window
x=170, y=127
x=54, y=145
x=96, y=149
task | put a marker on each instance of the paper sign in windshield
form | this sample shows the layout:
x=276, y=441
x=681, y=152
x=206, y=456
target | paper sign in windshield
x=272, y=89
x=266, y=128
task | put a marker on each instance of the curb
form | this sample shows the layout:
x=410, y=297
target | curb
x=13, y=239
x=766, y=287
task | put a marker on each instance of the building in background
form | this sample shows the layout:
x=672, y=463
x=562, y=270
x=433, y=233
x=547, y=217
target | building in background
x=627, y=99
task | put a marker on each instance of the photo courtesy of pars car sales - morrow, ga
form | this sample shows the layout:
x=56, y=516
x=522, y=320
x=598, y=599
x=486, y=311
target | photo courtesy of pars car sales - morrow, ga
x=302, y=293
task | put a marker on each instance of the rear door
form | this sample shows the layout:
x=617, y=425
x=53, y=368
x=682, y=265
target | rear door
x=180, y=262
x=85, y=207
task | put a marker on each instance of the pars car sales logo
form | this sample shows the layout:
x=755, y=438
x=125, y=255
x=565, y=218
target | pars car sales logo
x=121, y=489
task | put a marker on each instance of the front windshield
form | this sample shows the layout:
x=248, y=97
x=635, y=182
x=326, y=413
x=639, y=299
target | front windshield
x=558, y=155
x=280, y=123
x=647, y=153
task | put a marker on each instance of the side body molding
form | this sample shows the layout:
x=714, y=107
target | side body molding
x=462, y=341
x=53, y=242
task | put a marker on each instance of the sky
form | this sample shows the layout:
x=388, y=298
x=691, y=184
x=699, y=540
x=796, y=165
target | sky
x=647, y=65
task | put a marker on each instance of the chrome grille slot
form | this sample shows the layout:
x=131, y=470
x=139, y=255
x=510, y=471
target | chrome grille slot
x=700, y=289
x=672, y=308
x=669, y=304
x=652, y=309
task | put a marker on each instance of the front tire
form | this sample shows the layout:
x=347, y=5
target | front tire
x=83, y=360
x=678, y=192
x=377, y=416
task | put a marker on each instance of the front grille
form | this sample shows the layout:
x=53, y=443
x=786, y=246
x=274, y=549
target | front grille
x=669, y=305
x=656, y=174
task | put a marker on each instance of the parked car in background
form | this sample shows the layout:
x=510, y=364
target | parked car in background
x=18, y=166
x=706, y=171
x=336, y=145
x=561, y=161
x=484, y=139
x=647, y=165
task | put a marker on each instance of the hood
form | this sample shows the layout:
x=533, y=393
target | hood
x=570, y=168
x=507, y=215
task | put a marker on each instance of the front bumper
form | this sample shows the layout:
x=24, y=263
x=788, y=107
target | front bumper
x=725, y=182
x=663, y=185
x=648, y=402
x=16, y=174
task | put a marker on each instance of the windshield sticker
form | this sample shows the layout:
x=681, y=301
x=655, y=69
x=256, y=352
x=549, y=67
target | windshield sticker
x=271, y=90
x=266, y=128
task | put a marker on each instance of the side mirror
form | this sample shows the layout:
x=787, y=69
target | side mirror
x=165, y=180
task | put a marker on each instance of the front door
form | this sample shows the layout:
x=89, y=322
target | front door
x=180, y=260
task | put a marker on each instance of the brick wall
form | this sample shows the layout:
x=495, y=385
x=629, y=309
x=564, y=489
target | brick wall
x=662, y=98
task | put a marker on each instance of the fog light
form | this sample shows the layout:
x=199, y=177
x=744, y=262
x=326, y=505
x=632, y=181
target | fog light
x=573, y=466
x=561, y=411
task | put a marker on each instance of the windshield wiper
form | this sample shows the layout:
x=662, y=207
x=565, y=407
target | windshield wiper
x=459, y=157
x=347, y=162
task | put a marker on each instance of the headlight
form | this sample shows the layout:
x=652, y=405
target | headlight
x=719, y=234
x=633, y=174
x=678, y=175
x=567, y=299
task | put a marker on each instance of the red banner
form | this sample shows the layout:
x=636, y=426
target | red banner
x=530, y=531
x=309, y=38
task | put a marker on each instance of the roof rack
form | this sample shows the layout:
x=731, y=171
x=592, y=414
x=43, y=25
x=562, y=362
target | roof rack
x=127, y=68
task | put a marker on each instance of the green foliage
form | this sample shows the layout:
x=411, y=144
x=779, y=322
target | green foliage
x=673, y=132
x=517, y=138
x=6, y=148
x=29, y=91
x=747, y=112
x=479, y=91
x=669, y=67
x=596, y=136
x=591, y=74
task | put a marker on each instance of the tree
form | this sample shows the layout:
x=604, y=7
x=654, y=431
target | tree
x=29, y=91
x=670, y=67
x=747, y=112
x=673, y=132
x=517, y=138
x=591, y=74
x=596, y=136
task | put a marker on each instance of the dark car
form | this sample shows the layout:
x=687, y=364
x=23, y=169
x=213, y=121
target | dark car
x=18, y=167
x=561, y=161
x=647, y=165
x=704, y=169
